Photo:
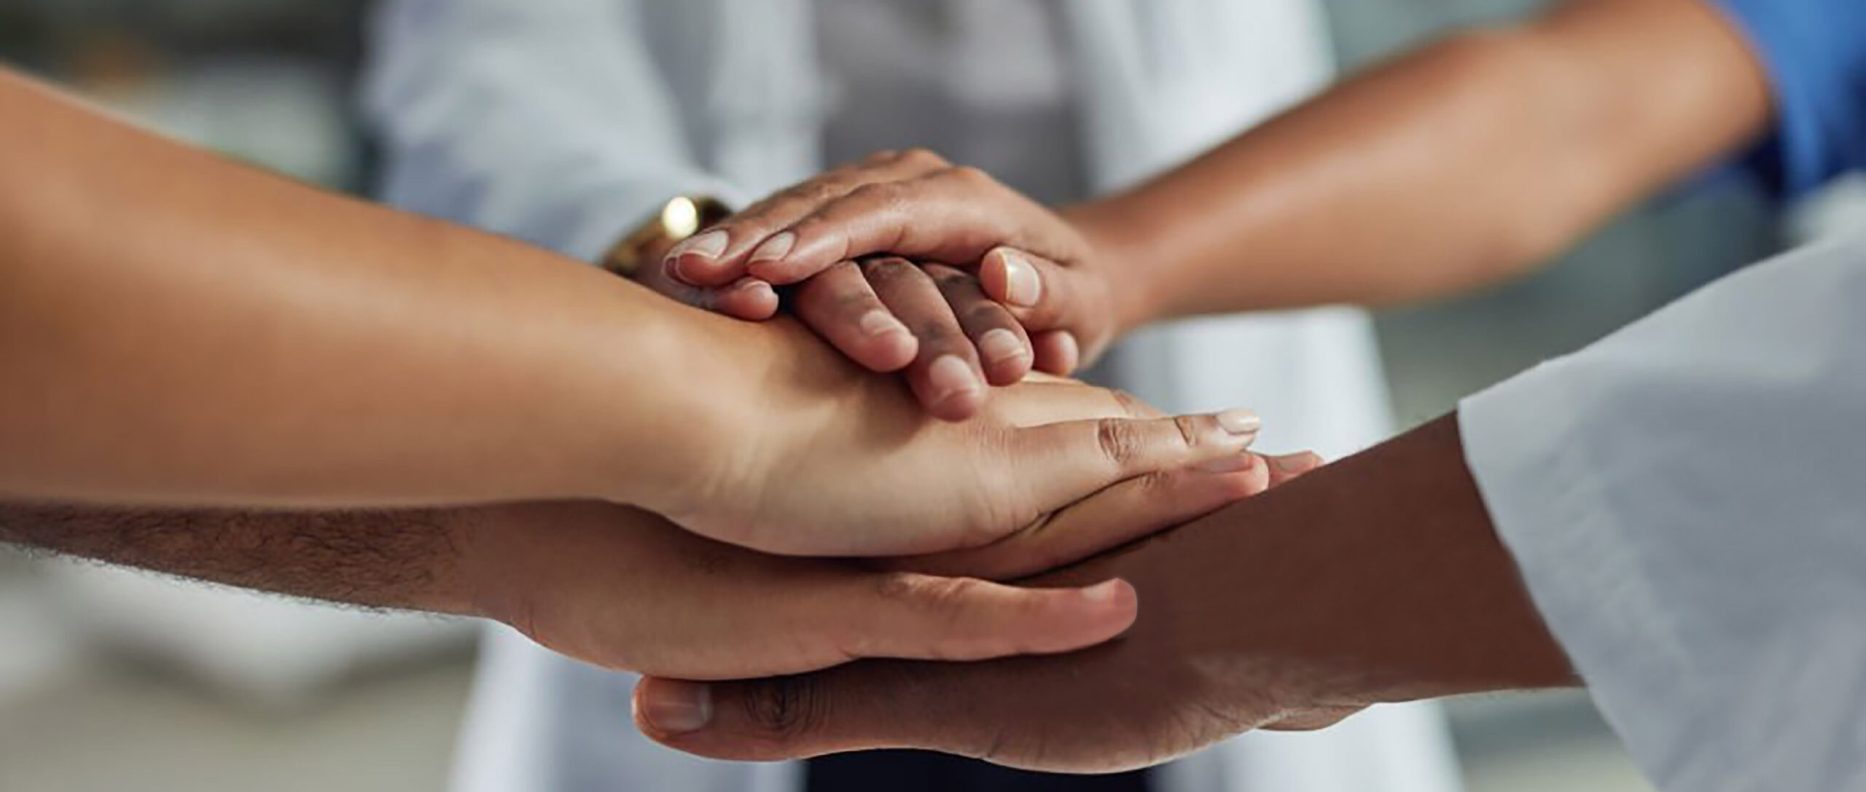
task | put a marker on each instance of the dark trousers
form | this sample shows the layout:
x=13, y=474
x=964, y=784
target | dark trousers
x=922, y=771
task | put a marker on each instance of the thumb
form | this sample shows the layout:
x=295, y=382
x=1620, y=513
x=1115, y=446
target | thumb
x=1077, y=458
x=745, y=298
x=874, y=705
x=1038, y=291
x=1026, y=712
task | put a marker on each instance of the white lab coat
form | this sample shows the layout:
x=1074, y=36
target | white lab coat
x=1687, y=504
x=566, y=122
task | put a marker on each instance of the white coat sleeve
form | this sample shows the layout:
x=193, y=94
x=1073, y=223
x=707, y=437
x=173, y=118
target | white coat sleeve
x=546, y=120
x=1687, y=503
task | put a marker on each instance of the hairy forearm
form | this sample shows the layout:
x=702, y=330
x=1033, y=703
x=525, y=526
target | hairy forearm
x=179, y=329
x=1456, y=165
x=389, y=559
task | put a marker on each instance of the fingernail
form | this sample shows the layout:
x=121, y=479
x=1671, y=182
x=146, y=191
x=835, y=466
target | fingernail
x=1022, y=287
x=1236, y=463
x=950, y=377
x=676, y=707
x=775, y=248
x=1240, y=422
x=881, y=323
x=1291, y=464
x=1104, y=591
x=1000, y=345
x=707, y=245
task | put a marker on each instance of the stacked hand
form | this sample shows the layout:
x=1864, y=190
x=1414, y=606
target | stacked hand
x=840, y=462
x=1025, y=287
x=571, y=576
x=1216, y=650
x=1290, y=610
x=802, y=453
x=1054, y=472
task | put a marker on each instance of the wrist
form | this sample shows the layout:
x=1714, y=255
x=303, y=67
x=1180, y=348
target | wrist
x=1422, y=598
x=506, y=567
x=677, y=396
x=477, y=585
x=1375, y=579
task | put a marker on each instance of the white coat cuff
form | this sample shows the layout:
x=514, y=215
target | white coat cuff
x=1527, y=444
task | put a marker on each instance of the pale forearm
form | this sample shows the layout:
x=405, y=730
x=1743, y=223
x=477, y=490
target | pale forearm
x=1462, y=163
x=175, y=328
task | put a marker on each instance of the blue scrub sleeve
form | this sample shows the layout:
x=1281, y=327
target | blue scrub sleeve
x=1815, y=55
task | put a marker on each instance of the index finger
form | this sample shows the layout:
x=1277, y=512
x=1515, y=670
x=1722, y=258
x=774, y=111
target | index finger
x=1077, y=458
x=725, y=251
x=954, y=214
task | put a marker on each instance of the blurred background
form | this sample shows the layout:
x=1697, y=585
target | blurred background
x=112, y=680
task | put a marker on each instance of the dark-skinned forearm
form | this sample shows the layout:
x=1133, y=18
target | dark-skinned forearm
x=1386, y=566
x=414, y=559
x=1456, y=165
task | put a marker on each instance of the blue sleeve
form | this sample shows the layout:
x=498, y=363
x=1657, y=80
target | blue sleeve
x=1815, y=55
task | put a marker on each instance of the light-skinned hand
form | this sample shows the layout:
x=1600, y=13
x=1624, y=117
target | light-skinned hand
x=804, y=453
x=625, y=589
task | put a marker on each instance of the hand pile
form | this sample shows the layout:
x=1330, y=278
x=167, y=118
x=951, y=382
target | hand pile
x=906, y=262
x=915, y=528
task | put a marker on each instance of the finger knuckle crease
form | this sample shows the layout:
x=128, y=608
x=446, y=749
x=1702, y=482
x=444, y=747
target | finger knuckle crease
x=1118, y=439
x=969, y=174
x=885, y=268
x=922, y=156
x=1188, y=429
x=982, y=315
x=786, y=707
x=1127, y=402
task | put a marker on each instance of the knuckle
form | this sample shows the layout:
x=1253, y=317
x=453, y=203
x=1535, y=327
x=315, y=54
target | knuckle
x=968, y=174
x=897, y=586
x=938, y=336
x=947, y=277
x=1154, y=485
x=878, y=195
x=984, y=315
x=786, y=707
x=1128, y=402
x=949, y=593
x=1118, y=440
x=942, y=599
x=822, y=191
x=922, y=156
x=887, y=268
x=1188, y=427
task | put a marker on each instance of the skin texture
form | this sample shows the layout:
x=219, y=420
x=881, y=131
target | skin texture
x=626, y=589
x=610, y=585
x=1461, y=164
x=1376, y=579
x=180, y=331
